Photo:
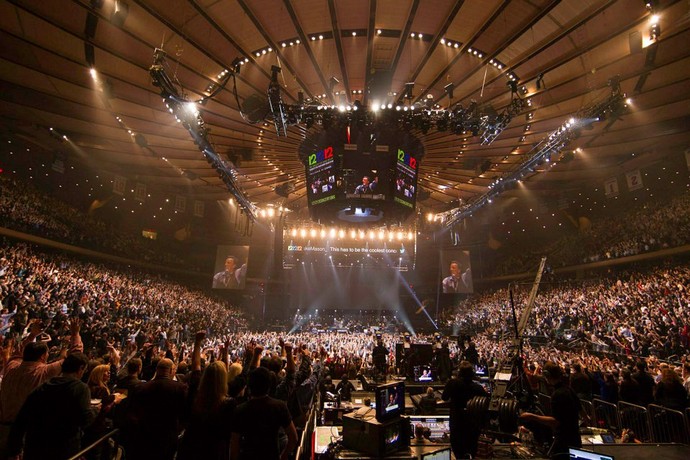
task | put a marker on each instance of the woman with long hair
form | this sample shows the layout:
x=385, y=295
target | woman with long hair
x=98, y=383
x=670, y=392
x=208, y=434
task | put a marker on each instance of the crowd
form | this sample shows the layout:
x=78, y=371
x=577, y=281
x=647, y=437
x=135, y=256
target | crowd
x=27, y=209
x=155, y=357
x=632, y=313
x=645, y=228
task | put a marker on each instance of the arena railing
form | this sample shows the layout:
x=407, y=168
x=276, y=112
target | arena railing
x=110, y=435
x=545, y=403
x=668, y=425
x=588, y=409
x=606, y=416
x=634, y=417
x=304, y=450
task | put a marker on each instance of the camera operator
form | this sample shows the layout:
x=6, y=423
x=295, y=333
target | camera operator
x=565, y=408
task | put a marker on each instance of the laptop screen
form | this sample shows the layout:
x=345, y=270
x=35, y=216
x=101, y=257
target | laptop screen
x=443, y=454
x=577, y=454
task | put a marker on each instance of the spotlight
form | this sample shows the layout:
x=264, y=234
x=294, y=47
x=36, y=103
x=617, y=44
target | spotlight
x=654, y=29
x=331, y=83
x=407, y=94
x=119, y=14
x=449, y=90
x=540, y=81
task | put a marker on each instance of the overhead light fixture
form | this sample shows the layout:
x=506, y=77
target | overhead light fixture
x=449, y=90
x=331, y=83
x=119, y=14
x=407, y=94
x=654, y=28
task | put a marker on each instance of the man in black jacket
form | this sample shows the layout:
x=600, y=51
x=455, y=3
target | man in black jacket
x=50, y=422
x=464, y=432
x=645, y=382
x=157, y=409
x=565, y=407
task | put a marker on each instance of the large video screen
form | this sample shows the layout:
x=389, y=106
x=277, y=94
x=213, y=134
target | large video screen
x=456, y=272
x=322, y=183
x=231, y=267
x=340, y=249
x=405, y=192
x=367, y=173
x=361, y=174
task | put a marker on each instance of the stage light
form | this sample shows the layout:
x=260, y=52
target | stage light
x=410, y=236
x=312, y=232
x=449, y=90
x=372, y=235
x=341, y=233
x=332, y=233
x=379, y=32
x=354, y=34
x=302, y=232
x=353, y=234
x=293, y=232
x=323, y=233
x=93, y=73
x=271, y=212
x=382, y=234
x=192, y=108
x=119, y=14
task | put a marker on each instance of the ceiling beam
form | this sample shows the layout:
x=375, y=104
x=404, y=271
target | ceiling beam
x=434, y=44
x=305, y=43
x=339, y=50
x=371, y=33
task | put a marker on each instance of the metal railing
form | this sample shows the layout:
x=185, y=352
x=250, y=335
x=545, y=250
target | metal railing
x=95, y=444
x=668, y=425
x=587, y=413
x=605, y=415
x=634, y=417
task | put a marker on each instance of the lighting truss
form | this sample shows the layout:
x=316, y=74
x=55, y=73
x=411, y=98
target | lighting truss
x=551, y=145
x=474, y=120
x=187, y=113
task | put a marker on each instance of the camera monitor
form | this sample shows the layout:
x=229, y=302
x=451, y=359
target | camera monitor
x=424, y=374
x=390, y=401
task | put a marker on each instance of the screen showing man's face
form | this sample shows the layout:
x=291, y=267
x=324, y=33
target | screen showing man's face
x=454, y=270
x=229, y=264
